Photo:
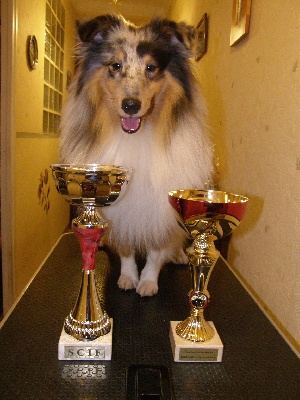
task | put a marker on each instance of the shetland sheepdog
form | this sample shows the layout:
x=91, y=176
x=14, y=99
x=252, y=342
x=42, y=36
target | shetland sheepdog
x=134, y=102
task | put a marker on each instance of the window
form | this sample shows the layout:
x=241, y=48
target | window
x=53, y=65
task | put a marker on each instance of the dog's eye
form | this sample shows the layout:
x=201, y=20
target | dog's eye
x=116, y=66
x=150, y=68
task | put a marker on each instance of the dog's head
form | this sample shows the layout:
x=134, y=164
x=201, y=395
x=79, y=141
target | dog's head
x=133, y=64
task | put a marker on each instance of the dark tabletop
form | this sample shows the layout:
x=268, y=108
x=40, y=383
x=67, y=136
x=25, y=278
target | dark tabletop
x=257, y=363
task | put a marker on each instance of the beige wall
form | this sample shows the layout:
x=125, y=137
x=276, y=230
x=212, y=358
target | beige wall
x=253, y=95
x=36, y=228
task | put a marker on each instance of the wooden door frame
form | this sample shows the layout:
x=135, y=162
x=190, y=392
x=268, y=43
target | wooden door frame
x=9, y=28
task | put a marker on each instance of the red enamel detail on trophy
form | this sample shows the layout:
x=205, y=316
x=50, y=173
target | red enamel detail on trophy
x=89, y=240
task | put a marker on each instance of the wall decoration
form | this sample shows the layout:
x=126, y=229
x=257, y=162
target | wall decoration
x=201, y=38
x=44, y=191
x=32, y=52
x=240, y=20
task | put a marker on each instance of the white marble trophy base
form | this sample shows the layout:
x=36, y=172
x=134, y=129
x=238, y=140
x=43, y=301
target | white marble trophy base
x=70, y=348
x=186, y=351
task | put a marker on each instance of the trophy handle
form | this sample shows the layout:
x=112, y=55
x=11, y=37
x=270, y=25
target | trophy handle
x=203, y=256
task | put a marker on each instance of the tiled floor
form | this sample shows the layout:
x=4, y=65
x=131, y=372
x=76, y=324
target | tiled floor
x=257, y=363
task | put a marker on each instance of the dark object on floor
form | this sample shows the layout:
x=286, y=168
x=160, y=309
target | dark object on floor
x=148, y=382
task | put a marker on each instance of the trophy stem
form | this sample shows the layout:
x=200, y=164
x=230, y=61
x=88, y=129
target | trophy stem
x=87, y=320
x=202, y=258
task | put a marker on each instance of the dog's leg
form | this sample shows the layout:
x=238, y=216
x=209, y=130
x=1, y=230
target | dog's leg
x=179, y=257
x=149, y=276
x=148, y=285
x=129, y=273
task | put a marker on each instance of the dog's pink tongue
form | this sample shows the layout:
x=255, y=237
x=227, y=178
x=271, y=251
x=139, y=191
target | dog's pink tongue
x=131, y=124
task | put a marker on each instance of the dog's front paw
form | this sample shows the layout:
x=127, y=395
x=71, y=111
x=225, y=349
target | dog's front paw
x=127, y=282
x=147, y=288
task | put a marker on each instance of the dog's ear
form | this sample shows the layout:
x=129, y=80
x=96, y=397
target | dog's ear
x=178, y=33
x=97, y=28
x=188, y=33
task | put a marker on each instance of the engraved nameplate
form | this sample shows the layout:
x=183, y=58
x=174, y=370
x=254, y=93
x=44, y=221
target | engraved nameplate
x=198, y=355
x=84, y=352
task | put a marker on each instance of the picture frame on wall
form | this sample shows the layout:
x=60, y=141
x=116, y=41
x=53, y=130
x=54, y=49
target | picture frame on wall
x=201, y=38
x=240, y=20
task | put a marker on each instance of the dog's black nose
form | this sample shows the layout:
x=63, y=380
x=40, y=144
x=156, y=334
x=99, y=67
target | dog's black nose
x=131, y=106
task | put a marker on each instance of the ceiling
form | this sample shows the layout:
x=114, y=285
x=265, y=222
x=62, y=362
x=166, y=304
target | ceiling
x=136, y=11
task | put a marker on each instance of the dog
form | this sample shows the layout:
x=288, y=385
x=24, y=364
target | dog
x=134, y=102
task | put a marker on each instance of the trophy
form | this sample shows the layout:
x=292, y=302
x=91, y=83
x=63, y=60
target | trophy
x=87, y=331
x=207, y=215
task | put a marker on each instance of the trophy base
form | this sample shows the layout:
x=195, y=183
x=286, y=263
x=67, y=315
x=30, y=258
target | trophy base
x=70, y=348
x=187, y=351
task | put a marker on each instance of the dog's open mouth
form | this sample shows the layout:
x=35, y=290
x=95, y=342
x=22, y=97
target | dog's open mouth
x=131, y=124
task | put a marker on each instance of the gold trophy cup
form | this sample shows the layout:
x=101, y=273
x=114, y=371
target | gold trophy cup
x=207, y=215
x=87, y=329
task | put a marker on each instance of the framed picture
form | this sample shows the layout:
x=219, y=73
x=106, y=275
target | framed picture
x=201, y=38
x=240, y=20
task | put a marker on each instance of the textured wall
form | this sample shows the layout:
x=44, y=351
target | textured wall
x=253, y=95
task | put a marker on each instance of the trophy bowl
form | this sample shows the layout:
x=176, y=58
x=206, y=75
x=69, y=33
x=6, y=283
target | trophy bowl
x=207, y=215
x=89, y=186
